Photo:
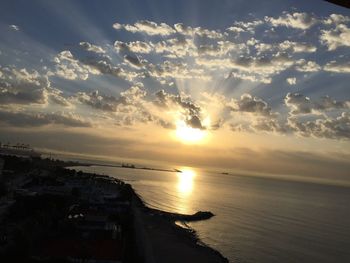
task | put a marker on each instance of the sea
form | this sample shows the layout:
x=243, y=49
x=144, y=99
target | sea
x=257, y=218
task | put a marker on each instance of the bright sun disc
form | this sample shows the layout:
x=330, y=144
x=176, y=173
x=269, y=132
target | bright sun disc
x=188, y=134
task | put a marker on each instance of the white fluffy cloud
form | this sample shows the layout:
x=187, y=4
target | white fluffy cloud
x=337, y=67
x=336, y=19
x=297, y=47
x=92, y=48
x=135, y=47
x=248, y=26
x=291, y=81
x=307, y=66
x=199, y=31
x=337, y=37
x=146, y=27
x=68, y=67
x=295, y=20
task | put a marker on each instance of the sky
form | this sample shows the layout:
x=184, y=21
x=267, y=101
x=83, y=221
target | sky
x=259, y=86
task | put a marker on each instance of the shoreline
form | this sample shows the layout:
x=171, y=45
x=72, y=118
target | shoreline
x=154, y=218
x=185, y=234
x=85, y=208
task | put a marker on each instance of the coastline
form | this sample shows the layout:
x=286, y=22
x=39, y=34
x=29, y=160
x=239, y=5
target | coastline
x=52, y=191
x=166, y=222
x=161, y=228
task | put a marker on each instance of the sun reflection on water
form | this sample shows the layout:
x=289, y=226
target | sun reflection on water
x=185, y=187
x=185, y=182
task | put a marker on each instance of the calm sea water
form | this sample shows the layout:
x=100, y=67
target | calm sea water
x=257, y=219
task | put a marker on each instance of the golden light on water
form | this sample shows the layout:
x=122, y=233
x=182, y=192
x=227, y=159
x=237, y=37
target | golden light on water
x=188, y=134
x=185, y=181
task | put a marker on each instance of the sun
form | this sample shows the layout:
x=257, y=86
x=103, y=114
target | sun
x=188, y=134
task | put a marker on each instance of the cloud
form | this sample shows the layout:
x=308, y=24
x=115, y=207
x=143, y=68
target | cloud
x=300, y=104
x=262, y=119
x=164, y=99
x=250, y=104
x=134, y=94
x=20, y=86
x=192, y=57
x=222, y=49
x=101, y=102
x=56, y=96
x=190, y=112
x=337, y=37
x=146, y=27
x=106, y=67
x=92, y=48
x=134, y=61
x=251, y=68
x=307, y=66
x=335, y=19
x=178, y=47
x=337, y=67
x=332, y=128
x=197, y=31
x=296, y=47
x=131, y=96
x=235, y=29
x=31, y=119
x=134, y=47
x=241, y=26
x=252, y=114
x=68, y=67
x=291, y=81
x=295, y=20
x=194, y=122
x=177, y=70
x=14, y=27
